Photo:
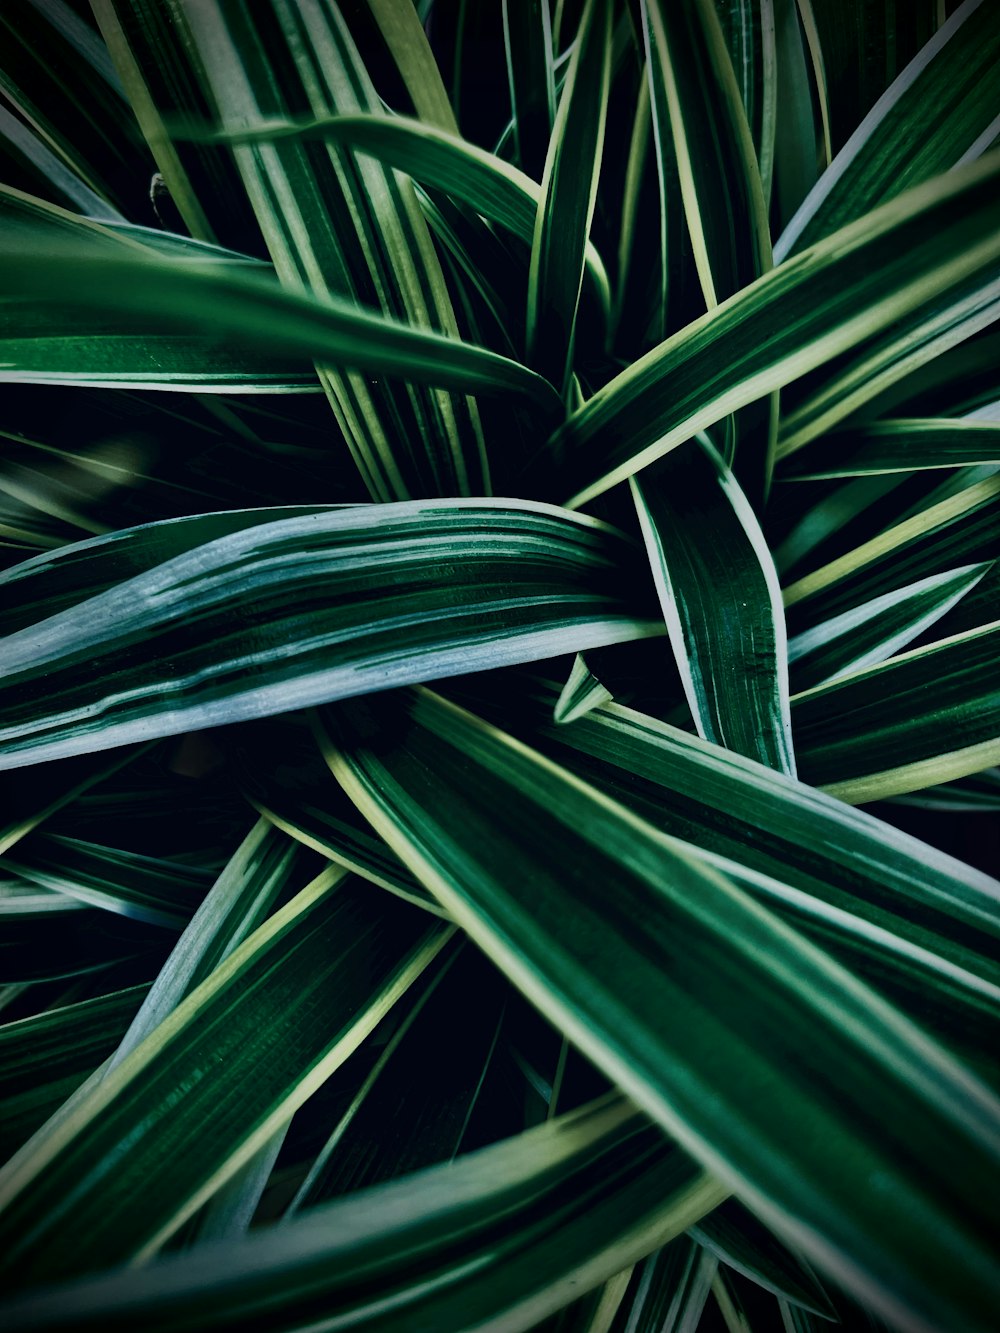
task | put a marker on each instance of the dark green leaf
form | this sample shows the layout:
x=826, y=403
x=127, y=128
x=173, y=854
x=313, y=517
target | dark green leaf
x=245, y=626
x=748, y=1070
x=720, y=597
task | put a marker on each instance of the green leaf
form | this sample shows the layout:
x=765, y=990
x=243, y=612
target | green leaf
x=54, y=294
x=46, y=1057
x=239, y=901
x=748, y=27
x=720, y=597
x=512, y=1232
x=144, y=887
x=696, y=103
x=528, y=43
x=569, y=194
x=400, y=28
x=904, y=260
x=868, y=634
x=925, y=717
x=951, y=527
x=494, y=188
x=582, y=692
x=694, y=84
x=864, y=47
x=901, y=445
x=748, y=1070
x=423, y=589
x=669, y=1291
x=939, y=112
x=172, y=1136
x=338, y=225
x=904, y=915
x=734, y=1235
x=413, y=1110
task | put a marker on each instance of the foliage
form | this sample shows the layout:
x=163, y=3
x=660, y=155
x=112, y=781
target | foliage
x=500, y=528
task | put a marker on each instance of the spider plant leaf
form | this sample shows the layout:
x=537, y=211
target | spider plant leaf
x=721, y=602
x=265, y=635
x=903, y=260
x=55, y=580
x=569, y=194
x=738, y=1065
x=436, y=158
x=55, y=291
x=143, y=887
x=400, y=27
x=696, y=100
x=241, y=898
x=57, y=178
x=527, y=34
x=543, y=1216
x=668, y=1292
x=748, y=27
x=302, y=800
x=582, y=692
x=335, y=224
x=949, y=528
x=861, y=377
x=47, y=1056
x=864, y=48
x=848, y=877
x=734, y=1235
x=798, y=139
x=980, y=792
x=897, y=445
x=125, y=31
x=925, y=717
x=306, y=955
x=696, y=105
x=868, y=634
x=66, y=119
x=937, y=113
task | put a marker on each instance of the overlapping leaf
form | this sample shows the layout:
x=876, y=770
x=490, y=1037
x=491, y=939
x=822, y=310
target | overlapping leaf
x=743, y=993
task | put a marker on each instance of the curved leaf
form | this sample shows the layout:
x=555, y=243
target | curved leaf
x=512, y=1233
x=925, y=123
x=905, y=259
x=303, y=610
x=720, y=597
x=724, y=1024
x=256, y=1015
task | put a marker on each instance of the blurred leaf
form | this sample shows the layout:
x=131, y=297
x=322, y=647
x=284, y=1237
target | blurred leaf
x=735, y=1236
x=142, y=304
x=528, y=41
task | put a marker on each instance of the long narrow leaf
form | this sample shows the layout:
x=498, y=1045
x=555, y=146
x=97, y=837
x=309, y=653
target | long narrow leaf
x=720, y=597
x=905, y=258
x=723, y=1023
x=300, y=611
